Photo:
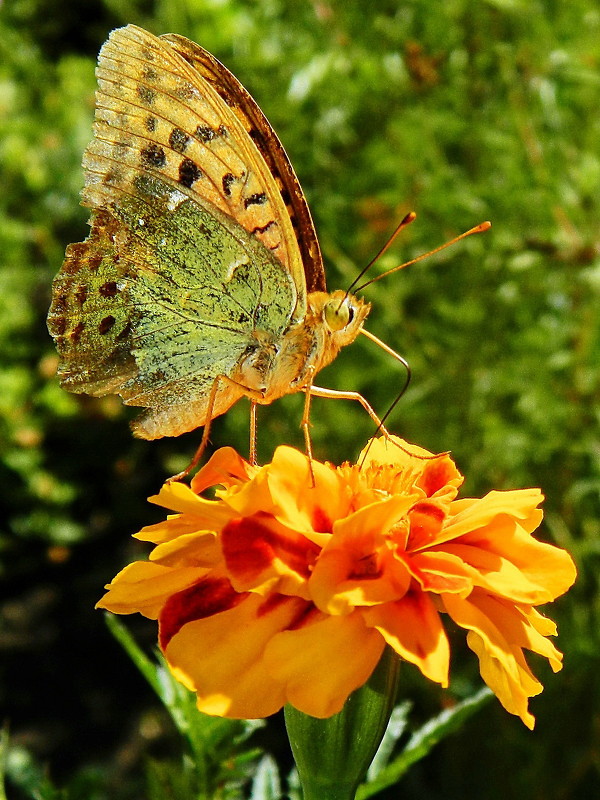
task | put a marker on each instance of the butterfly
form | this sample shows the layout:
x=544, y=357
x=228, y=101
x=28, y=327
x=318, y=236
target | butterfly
x=201, y=280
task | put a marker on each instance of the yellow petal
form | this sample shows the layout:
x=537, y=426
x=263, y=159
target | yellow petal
x=173, y=526
x=308, y=500
x=469, y=515
x=412, y=627
x=532, y=583
x=221, y=657
x=179, y=497
x=512, y=688
x=145, y=587
x=437, y=476
x=321, y=662
x=190, y=550
x=497, y=633
x=392, y=450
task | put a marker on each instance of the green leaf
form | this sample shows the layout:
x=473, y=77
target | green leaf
x=266, y=784
x=215, y=744
x=423, y=741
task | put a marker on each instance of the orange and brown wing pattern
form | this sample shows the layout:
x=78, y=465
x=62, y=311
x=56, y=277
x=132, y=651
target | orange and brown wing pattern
x=157, y=110
x=258, y=128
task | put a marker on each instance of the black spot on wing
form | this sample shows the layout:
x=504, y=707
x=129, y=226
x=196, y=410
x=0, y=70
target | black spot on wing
x=109, y=289
x=228, y=180
x=81, y=294
x=263, y=228
x=75, y=334
x=106, y=324
x=178, y=140
x=205, y=133
x=146, y=95
x=153, y=156
x=189, y=173
x=256, y=199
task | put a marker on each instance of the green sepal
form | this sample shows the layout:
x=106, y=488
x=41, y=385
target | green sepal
x=332, y=755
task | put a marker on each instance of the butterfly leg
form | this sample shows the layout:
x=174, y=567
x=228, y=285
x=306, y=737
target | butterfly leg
x=305, y=422
x=252, y=452
x=254, y=396
x=210, y=406
x=334, y=394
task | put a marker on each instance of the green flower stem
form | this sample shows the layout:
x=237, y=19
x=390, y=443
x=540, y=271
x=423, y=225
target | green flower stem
x=332, y=755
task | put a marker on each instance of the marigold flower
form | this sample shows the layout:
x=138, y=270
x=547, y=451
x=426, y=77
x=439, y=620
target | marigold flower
x=287, y=586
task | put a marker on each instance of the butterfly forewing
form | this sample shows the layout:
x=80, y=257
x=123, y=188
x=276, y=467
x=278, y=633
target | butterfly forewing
x=265, y=139
x=156, y=110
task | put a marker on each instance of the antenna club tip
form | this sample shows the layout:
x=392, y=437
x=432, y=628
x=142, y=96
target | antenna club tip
x=484, y=226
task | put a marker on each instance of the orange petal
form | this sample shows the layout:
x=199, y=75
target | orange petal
x=356, y=566
x=412, y=626
x=438, y=571
x=440, y=478
x=190, y=550
x=224, y=468
x=145, y=587
x=261, y=554
x=212, y=594
x=426, y=521
x=323, y=660
x=221, y=657
x=497, y=633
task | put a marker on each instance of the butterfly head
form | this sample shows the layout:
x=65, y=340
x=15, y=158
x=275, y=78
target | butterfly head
x=341, y=314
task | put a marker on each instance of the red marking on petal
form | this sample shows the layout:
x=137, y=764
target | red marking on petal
x=204, y=599
x=250, y=546
x=304, y=617
x=321, y=521
x=437, y=474
x=426, y=520
x=272, y=603
x=366, y=568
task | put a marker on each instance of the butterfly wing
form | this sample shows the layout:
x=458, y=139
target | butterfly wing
x=259, y=129
x=192, y=247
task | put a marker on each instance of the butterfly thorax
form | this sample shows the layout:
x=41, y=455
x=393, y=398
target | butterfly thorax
x=275, y=367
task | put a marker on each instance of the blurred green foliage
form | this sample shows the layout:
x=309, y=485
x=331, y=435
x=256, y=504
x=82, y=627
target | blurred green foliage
x=462, y=111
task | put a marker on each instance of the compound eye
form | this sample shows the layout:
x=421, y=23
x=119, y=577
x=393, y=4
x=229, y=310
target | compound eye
x=337, y=315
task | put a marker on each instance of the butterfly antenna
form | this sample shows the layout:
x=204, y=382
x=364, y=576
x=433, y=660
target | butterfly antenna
x=405, y=222
x=483, y=226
